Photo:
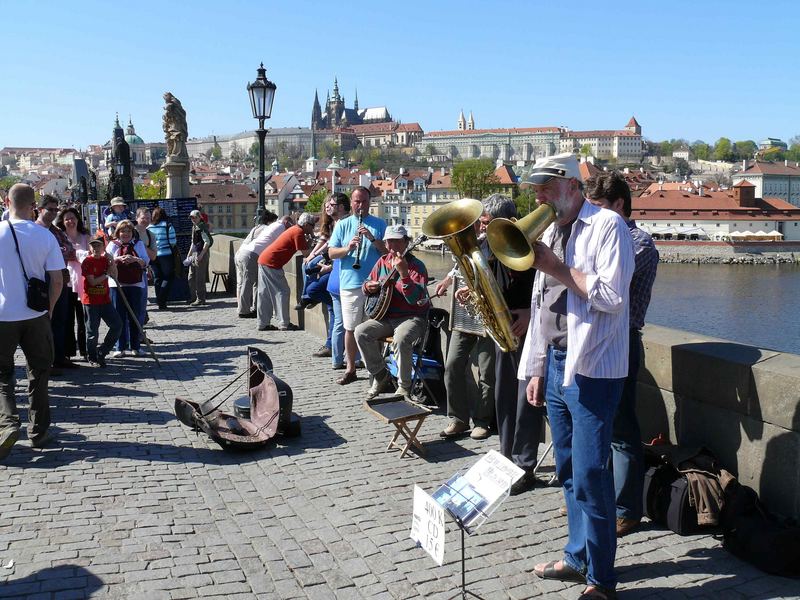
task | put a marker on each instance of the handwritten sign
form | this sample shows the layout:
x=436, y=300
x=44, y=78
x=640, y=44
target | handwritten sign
x=492, y=475
x=427, y=525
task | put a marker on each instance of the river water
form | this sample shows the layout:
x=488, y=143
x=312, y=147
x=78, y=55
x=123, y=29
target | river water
x=757, y=305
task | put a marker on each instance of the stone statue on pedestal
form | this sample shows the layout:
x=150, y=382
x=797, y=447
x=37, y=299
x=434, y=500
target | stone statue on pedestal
x=176, y=133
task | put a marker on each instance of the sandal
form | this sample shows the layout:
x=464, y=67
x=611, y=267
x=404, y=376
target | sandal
x=598, y=592
x=347, y=378
x=565, y=573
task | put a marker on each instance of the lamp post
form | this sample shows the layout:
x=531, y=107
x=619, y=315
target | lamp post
x=262, y=93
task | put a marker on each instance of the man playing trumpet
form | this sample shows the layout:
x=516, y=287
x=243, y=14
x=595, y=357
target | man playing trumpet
x=405, y=319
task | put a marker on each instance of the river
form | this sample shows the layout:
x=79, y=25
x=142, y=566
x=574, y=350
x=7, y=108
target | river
x=757, y=305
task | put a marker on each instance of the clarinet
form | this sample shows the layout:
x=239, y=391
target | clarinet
x=357, y=263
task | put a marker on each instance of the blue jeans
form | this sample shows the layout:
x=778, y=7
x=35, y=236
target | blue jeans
x=626, y=442
x=93, y=314
x=337, y=332
x=129, y=336
x=581, y=420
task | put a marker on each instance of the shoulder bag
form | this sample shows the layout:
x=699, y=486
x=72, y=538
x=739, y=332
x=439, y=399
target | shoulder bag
x=37, y=291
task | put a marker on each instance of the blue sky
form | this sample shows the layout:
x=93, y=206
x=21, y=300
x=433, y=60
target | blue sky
x=698, y=70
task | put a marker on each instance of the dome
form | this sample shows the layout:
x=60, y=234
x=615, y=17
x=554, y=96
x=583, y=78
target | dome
x=132, y=139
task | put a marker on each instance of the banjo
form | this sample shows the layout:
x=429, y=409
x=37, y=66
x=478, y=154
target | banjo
x=376, y=305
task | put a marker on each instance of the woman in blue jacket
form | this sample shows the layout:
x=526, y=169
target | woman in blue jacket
x=164, y=264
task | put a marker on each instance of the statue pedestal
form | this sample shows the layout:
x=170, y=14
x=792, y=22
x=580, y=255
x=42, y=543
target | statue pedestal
x=177, y=177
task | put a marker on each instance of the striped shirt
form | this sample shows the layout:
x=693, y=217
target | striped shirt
x=643, y=275
x=601, y=247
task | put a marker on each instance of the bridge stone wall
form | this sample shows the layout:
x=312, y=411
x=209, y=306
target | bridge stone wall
x=741, y=402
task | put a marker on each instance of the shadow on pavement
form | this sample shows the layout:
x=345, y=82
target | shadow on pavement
x=68, y=581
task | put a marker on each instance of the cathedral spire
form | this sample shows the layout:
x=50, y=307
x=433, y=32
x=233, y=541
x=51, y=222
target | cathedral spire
x=355, y=102
x=316, y=112
x=335, y=88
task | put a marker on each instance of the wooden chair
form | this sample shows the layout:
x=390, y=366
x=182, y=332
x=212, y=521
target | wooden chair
x=219, y=276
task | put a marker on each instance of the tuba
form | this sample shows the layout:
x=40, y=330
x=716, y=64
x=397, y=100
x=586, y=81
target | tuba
x=454, y=224
x=512, y=241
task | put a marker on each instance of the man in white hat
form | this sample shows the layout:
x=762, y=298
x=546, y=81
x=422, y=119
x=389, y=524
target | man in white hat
x=576, y=355
x=406, y=317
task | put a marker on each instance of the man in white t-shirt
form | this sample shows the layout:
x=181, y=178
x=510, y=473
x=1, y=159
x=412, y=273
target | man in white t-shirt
x=22, y=326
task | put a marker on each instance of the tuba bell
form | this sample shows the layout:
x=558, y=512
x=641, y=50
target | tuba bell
x=512, y=241
x=454, y=223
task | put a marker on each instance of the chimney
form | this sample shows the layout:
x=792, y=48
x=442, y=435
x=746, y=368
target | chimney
x=442, y=172
x=700, y=190
x=744, y=164
x=786, y=162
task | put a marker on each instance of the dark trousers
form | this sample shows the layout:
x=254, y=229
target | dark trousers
x=35, y=337
x=163, y=276
x=520, y=425
x=129, y=335
x=59, y=324
x=626, y=441
x=75, y=343
x=456, y=371
x=93, y=314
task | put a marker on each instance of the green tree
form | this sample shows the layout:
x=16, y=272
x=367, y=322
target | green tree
x=155, y=190
x=216, y=152
x=316, y=200
x=744, y=149
x=475, y=178
x=723, y=149
x=329, y=149
x=430, y=149
x=252, y=153
x=7, y=182
x=525, y=201
x=700, y=150
x=237, y=154
x=586, y=150
x=665, y=148
x=793, y=153
x=773, y=154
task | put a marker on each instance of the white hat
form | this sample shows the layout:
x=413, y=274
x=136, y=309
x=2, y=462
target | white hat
x=564, y=166
x=195, y=213
x=118, y=201
x=395, y=232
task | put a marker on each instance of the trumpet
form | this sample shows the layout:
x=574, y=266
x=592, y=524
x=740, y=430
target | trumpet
x=454, y=223
x=357, y=263
x=511, y=241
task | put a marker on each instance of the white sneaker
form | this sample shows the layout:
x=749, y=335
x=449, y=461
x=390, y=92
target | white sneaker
x=138, y=352
x=117, y=354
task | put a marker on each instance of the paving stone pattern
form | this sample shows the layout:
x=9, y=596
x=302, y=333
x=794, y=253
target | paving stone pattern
x=131, y=504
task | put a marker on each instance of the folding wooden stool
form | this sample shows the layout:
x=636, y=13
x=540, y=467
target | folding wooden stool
x=406, y=416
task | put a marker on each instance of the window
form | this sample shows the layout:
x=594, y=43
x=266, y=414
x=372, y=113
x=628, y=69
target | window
x=229, y=209
x=229, y=221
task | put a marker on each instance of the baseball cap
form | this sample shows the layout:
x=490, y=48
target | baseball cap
x=118, y=201
x=194, y=213
x=97, y=240
x=563, y=166
x=395, y=232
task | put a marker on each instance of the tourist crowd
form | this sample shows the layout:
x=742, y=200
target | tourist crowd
x=577, y=312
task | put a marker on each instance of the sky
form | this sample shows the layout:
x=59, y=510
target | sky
x=695, y=70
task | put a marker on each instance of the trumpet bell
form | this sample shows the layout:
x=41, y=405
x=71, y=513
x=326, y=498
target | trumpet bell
x=512, y=241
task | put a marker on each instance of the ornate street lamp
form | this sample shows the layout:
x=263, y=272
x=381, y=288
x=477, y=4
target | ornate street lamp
x=262, y=94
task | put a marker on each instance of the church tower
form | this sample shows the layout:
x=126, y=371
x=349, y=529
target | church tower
x=633, y=126
x=316, y=113
x=462, y=123
x=471, y=122
x=355, y=102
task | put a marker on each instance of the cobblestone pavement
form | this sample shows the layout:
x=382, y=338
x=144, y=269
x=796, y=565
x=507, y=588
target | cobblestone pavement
x=131, y=504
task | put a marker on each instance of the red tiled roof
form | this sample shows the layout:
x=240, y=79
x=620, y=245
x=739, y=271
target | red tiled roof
x=588, y=170
x=770, y=168
x=598, y=133
x=505, y=175
x=633, y=123
x=676, y=200
x=503, y=131
x=439, y=181
x=743, y=183
x=368, y=128
x=213, y=193
x=412, y=127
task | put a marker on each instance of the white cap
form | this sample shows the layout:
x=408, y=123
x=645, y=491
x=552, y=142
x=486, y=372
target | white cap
x=564, y=166
x=395, y=232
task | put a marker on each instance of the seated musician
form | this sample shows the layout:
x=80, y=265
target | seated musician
x=406, y=317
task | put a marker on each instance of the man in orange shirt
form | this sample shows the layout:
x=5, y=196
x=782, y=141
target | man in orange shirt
x=271, y=276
